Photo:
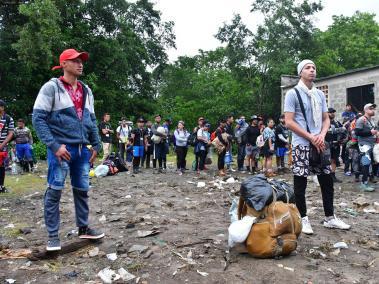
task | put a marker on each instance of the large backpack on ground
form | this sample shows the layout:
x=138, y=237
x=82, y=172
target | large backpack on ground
x=110, y=162
x=120, y=164
x=276, y=230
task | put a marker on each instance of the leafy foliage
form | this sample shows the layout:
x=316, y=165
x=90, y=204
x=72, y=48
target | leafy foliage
x=126, y=41
x=128, y=69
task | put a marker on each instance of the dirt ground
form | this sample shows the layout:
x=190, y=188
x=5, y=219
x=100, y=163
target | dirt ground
x=191, y=246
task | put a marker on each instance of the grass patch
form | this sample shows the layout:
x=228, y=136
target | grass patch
x=19, y=185
x=135, y=266
x=13, y=232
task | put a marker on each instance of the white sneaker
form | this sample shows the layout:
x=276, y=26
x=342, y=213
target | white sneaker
x=306, y=226
x=336, y=223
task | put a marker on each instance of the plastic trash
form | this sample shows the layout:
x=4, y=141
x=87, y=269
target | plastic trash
x=108, y=275
x=340, y=245
x=239, y=230
x=230, y=180
x=233, y=210
x=112, y=256
x=125, y=275
x=101, y=171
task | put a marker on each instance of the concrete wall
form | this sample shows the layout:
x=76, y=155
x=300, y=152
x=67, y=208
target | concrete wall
x=337, y=86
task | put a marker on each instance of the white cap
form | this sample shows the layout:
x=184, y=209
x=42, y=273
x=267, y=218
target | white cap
x=301, y=65
x=369, y=105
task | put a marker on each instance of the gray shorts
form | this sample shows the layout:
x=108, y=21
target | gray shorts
x=252, y=151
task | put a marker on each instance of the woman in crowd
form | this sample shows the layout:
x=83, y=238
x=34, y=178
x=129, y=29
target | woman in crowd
x=201, y=148
x=181, y=147
x=268, y=148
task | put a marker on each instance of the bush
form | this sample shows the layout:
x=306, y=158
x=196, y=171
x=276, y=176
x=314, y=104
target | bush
x=40, y=151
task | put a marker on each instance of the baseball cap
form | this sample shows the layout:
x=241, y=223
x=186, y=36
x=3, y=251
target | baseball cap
x=254, y=117
x=69, y=54
x=2, y=103
x=331, y=110
x=140, y=119
x=369, y=105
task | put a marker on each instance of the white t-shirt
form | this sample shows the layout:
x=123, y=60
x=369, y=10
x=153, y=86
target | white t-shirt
x=124, y=133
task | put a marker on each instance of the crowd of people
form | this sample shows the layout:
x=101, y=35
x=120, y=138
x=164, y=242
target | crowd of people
x=64, y=120
x=255, y=142
x=152, y=142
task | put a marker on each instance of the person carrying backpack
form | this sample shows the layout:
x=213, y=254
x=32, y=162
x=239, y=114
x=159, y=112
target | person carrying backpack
x=123, y=132
x=201, y=148
x=269, y=147
x=252, y=150
x=159, y=138
x=150, y=146
x=181, y=137
x=6, y=130
x=139, y=141
x=240, y=134
x=221, y=156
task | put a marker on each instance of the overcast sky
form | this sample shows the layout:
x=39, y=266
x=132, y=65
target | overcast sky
x=197, y=21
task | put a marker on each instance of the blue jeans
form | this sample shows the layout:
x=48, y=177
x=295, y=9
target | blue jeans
x=79, y=167
x=24, y=151
x=241, y=155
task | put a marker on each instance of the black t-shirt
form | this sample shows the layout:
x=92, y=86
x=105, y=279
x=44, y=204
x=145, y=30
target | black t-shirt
x=139, y=135
x=252, y=133
x=280, y=129
x=105, y=138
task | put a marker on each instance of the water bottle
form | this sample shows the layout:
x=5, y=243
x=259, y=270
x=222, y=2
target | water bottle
x=14, y=168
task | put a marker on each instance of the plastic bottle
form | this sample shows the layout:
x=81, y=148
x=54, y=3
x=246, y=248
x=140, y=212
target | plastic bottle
x=14, y=168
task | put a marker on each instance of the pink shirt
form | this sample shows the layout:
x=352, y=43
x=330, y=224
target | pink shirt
x=76, y=96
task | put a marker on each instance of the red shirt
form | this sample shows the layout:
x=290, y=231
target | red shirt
x=76, y=96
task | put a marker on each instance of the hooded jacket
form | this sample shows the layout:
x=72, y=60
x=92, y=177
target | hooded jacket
x=56, y=121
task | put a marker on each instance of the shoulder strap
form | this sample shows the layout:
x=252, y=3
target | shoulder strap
x=302, y=107
x=7, y=119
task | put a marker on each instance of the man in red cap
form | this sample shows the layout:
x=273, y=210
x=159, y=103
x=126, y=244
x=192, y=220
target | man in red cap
x=65, y=121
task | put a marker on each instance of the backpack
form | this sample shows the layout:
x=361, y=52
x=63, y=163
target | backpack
x=110, y=162
x=192, y=139
x=120, y=163
x=276, y=230
x=243, y=138
x=260, y=141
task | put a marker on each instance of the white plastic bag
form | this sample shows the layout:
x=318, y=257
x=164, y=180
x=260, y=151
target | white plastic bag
x=375, y=151
x=239, y=230
x=101, y=171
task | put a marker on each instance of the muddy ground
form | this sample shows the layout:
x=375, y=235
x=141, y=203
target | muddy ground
x=191, y=246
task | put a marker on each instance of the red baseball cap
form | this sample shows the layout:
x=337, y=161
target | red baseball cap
x=70, y=54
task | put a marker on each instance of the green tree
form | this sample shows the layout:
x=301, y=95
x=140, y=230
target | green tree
x=349, y=43
x=127, y=43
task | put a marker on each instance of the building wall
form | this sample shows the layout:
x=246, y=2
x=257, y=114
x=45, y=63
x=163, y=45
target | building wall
x=337, y=88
